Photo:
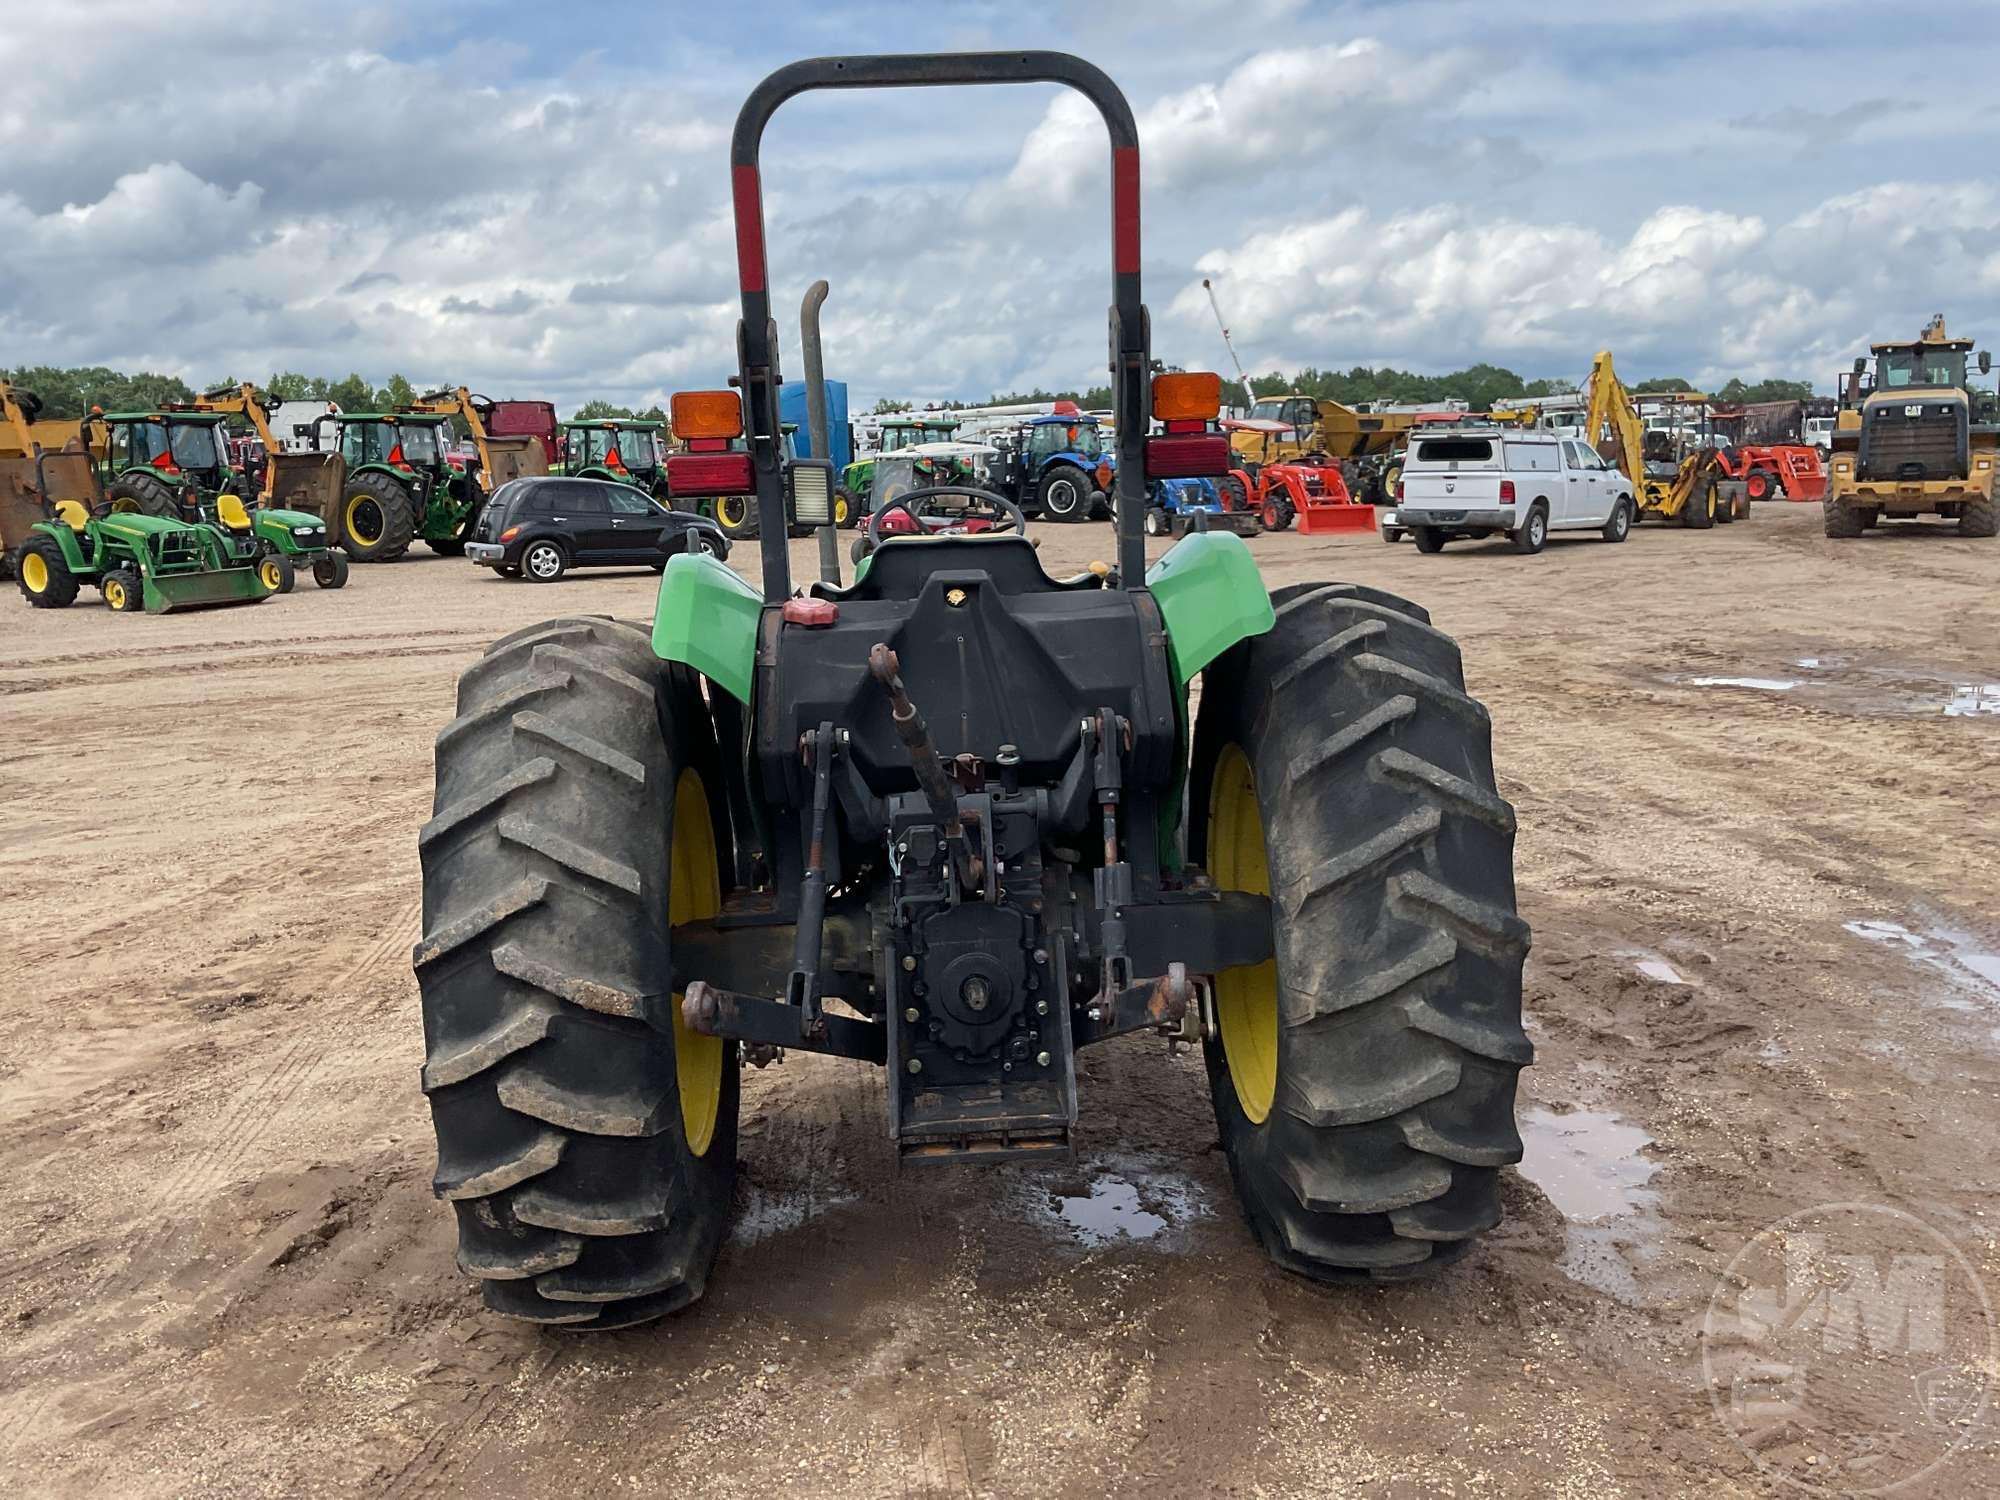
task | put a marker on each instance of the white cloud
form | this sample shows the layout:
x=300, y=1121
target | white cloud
x=1712, y=293
x=227, y=186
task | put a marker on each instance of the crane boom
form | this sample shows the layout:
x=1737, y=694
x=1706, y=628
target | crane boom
x=1229, y=344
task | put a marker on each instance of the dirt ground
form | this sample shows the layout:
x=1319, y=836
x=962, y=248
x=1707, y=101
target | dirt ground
x=222, y=1270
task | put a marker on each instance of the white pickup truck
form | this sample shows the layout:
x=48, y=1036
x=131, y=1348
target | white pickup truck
x=1523, y=485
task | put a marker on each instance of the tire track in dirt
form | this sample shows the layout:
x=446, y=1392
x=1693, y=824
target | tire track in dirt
x=445, y=1452
x=241, y=1127
x=255, y=659
x=479, y=638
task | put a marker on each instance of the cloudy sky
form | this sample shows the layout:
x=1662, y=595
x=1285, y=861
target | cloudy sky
x=533, y=199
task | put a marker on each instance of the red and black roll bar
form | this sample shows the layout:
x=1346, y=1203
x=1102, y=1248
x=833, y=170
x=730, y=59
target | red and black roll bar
x=757, y=334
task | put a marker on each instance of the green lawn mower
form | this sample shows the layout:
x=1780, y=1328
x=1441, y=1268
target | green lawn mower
x=960, y=820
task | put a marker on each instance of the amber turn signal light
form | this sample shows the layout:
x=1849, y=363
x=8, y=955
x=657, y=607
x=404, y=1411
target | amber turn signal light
x=1196, y=395
x=707, y=414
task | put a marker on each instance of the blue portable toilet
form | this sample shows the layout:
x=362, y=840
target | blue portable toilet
x=840, y=437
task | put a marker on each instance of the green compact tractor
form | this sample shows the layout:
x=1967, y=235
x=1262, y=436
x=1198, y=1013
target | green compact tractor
x=401, y=485
x=626, y=450
x=962, y=819
x=141, y=561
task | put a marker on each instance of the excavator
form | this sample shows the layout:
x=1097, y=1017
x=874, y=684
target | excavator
x=1685, y=488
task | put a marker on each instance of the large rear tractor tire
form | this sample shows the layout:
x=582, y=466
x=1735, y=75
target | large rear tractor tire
x=1364, y=1081
x=586, y=1139
x=146, y=493
x=45, y=579
x=1977, y=518
x=1842, y=521
x=377, y=520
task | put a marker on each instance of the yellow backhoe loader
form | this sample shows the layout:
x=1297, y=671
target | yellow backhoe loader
x=1675, y=475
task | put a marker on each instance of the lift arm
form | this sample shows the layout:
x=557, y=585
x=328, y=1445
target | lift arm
x=461, y=403
x=244, y=401
x=1611, y=413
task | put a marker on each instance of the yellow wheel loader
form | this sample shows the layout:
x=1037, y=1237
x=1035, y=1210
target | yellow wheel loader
x=1908, y=441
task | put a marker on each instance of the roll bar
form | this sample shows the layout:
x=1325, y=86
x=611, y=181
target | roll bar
x=757, y=334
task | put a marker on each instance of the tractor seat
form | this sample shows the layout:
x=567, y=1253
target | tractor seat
x=898, y=567
x=229, y=507
x=73, y=513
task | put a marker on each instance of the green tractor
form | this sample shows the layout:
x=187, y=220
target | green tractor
x=401, y=485
x=91, y=534
x=854, y=495
x=154, y=458
x=402, y=477
x=626, y=450
x=137, y=560
x=960, y=820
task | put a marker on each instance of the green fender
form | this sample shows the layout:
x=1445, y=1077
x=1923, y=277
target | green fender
x=75, y=557
x=707, y=619
x=1210, y=596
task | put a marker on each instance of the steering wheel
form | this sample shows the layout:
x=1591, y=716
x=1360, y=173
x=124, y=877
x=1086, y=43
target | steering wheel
x=986, y=506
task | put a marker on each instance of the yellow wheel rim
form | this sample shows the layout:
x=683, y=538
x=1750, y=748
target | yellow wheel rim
x=694, y=892
x=35, y=573
x=270, y=573
x=840, y=510
x=114, y=594
x=1246, y=999
x=731, y=511
x=364, y=519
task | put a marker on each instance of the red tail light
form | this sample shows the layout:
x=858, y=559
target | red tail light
x=710, y=474
x=510, y=533
x=1187, y=457
x=1506, y=492
x=1399, y=490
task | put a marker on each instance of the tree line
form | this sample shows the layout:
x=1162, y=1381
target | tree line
x=70, y=392
x=1481, y=386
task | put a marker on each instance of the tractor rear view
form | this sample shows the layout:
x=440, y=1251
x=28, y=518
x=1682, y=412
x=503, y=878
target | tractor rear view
x=958, y=820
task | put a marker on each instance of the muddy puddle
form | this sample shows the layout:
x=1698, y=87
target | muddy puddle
x=762, y=1213
x=1866, y=688
x=1971, y=968
x=1126, y=1201
x=1655, y=967
x=1589, y=1163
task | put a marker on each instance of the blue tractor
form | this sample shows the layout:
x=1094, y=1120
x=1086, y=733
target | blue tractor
x=1057, y=467
x=1172, y=503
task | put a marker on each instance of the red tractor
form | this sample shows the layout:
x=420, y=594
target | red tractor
x=1776, y=471
x=1312, y=490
